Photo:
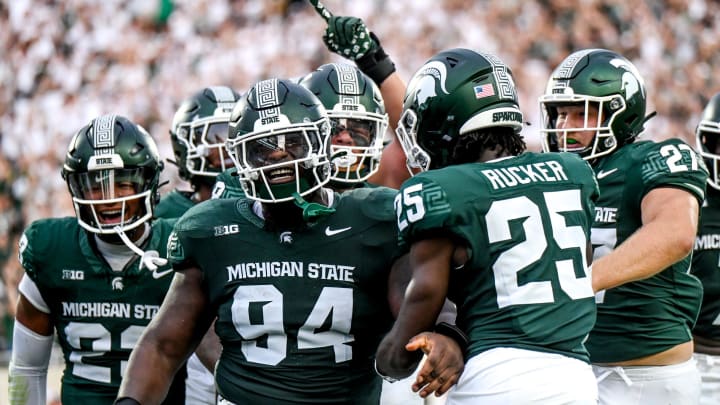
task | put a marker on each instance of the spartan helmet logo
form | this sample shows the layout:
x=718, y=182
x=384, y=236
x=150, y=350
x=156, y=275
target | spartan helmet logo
x=630, y=79
x=117, y=284
x=286, y=237
x=426, y=78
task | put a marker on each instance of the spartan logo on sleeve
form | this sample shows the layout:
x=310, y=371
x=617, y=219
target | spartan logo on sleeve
x=174, y=248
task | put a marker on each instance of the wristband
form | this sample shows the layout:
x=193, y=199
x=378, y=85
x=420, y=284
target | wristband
x=454, y=333
x=126, y=401
x=377, y=65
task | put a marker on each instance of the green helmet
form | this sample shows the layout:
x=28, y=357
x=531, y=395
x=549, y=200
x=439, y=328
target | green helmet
x=357, y=118
x=278, y=139
x=707, y=136
x=112, y=169
x=605, y=80
x=198, y=134
x=455, y=92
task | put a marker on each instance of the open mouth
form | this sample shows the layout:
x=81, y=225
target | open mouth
x=281, y=175
x=572, y=144
x=110, y=216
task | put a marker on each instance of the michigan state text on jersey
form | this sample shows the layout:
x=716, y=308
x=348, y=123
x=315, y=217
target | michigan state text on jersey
x=300, y=314
x=98, y=313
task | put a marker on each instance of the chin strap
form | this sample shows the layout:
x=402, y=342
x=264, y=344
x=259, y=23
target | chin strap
x=311, y=210
x=151, y=259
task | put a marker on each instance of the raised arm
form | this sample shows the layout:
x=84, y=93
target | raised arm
x=350, y=38
x=171, y=336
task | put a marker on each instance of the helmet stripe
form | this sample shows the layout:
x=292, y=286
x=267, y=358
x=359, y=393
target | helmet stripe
x=266, y=93
x=104, y=134
x=347, y=83
x=223, y=94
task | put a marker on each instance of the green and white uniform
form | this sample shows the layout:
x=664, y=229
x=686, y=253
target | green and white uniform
x=98, y=314
x=197, y=379
x=227, y=185
x=648, y=316
x=299, y=312
x=706, y=266
x=526, y=221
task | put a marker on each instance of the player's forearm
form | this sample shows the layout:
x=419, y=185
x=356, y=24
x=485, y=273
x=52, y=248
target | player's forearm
x=27, y=374
x=418, y=313
x=647, y=252
x=393, y=92
x=149, y=374
x=209, y=349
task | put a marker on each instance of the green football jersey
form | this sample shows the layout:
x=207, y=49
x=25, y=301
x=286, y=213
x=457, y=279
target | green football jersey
x=706, y=267
x=174, y=204
x=98, y=314
x=299, y=312
x=648, y=316
x=526, y=223
x=227, y=185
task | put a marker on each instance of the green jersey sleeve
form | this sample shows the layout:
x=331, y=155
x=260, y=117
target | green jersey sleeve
x=673, y=163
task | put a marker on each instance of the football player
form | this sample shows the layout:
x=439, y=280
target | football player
x=96, y=279
x=502, y=233
x=643, y=232
x=350, y=38
x=297, y=275
x=706, y=258
x=358, y=122
x=198, y=134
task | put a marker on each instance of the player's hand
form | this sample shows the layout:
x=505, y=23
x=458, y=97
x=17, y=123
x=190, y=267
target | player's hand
x=442, y=367
x=348, y=37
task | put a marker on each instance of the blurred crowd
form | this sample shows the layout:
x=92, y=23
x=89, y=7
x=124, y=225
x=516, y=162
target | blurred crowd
x=65, y=62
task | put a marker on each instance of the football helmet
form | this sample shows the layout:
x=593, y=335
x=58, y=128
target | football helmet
x=707, y=135
x=357, y=119
x=278, y=140
x=199, y=131
x=455, y=92
x=112, y=169
x=605, y=80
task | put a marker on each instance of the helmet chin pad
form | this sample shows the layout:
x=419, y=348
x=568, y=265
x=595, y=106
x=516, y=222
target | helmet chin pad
x=282, y=191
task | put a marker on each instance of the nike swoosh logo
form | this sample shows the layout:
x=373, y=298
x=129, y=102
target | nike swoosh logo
x=604, y=174
x=161, y=274
x=331, y=232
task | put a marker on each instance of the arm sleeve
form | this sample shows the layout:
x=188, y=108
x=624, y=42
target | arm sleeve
x=30, y=290
x=27, y=380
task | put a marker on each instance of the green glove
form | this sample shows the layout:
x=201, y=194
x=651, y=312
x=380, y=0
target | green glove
x=348, y=37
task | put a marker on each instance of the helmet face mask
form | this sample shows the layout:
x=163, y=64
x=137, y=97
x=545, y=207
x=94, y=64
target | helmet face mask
x=279, y=141
x=416, y=157
x=456, y=92
x=707, y=138
x=111, y=197
x=357, y=116
x=594, y=78
x=112, y=170
x=199, y=132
